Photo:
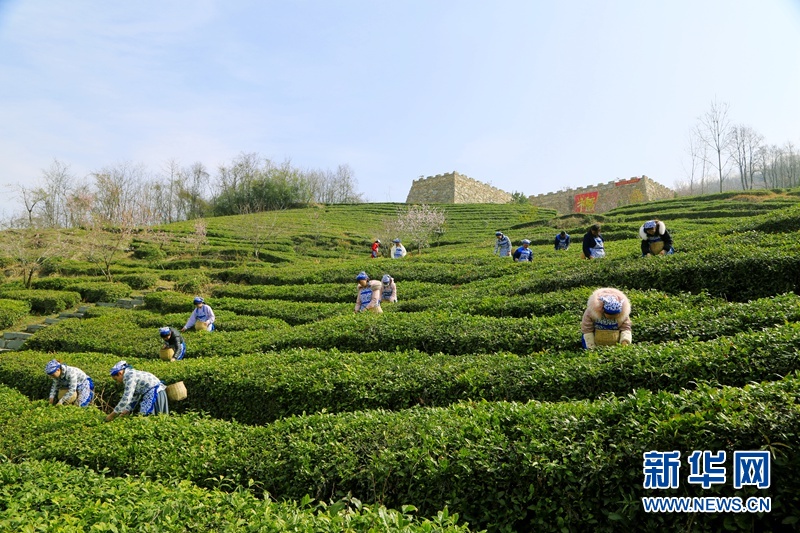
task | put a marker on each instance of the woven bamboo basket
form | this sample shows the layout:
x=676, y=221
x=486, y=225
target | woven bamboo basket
x=166, y=354
x=176, y=392
x=62, y=392
x=656, y=247
x=606, y=337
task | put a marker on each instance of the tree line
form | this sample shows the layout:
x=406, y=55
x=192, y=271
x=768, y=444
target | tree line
x=727, y=155
x=129, y=194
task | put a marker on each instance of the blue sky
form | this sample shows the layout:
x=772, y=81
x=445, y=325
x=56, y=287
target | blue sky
x=527, y=95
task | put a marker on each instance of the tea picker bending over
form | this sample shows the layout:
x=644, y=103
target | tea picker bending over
x=502, y=246
x=77, y=386
x=142, y=389
x=388, y=289
x=202, y=317
x=656, y=240
x=397, y=250
x=606, y=320
x=174, y=347
x=562, y=241
x=524, y=253
x=593, y=244
x=369, y=294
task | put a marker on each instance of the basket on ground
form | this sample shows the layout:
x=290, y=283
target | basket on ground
x=176, y=392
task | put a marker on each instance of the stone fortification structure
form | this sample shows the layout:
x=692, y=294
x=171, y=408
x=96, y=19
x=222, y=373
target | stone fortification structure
x=454, y=188
x=603, y=196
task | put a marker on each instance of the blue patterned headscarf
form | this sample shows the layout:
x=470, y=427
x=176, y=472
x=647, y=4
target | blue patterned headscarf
x=611, y=305
x=122, y=365
x=362, y=275
x=51, y=367
x=650, y=224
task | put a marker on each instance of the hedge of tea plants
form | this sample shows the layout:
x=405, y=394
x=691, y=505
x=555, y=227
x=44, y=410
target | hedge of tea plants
x=543, y=466
x=260, y=388
x=470, y=394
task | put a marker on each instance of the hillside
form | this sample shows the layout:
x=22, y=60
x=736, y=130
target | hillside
x=467, y=405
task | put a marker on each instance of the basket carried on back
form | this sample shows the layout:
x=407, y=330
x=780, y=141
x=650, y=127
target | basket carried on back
x=176, y=392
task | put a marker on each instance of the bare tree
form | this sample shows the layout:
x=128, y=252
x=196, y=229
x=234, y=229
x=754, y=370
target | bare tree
x=31, y=197
x=260, y=229
x=694, y=148
x=58, y=186
x=30, y=249
x=714, y=130
x=744, y=145
x=105, y=243
x=198, y=237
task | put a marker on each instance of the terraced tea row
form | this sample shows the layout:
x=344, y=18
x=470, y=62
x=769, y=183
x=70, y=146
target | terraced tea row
x=530, y=466
x=258, y=389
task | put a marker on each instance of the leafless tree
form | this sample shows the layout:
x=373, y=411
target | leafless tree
x=117, y=191
x=694, y=147
x=105, y=243
x=30, y=249
x=744, y=144
x=59, y=183
x=31, y=197
x=714, y=130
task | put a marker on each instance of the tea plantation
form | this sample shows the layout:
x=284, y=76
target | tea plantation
x=468, y=405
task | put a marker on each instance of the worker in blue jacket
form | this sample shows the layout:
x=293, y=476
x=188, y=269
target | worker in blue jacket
x=562, y=241
x=524, y=253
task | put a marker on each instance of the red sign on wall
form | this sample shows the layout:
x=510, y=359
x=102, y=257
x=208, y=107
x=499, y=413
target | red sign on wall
x=585, y=203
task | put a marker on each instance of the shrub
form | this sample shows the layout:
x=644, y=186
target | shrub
x=144, y=280
x=44, y=302
x=13, y=310
x=88, y=500
x=101, y=291
x=534, y=466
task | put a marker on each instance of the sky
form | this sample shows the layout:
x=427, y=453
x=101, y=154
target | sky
x=529, y=96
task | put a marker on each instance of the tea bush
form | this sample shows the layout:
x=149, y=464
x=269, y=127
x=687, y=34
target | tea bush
x=258, y=389
x=530, y=466
x=51, y=496
x=99, y=291
x=44, y=302
x=13, y=310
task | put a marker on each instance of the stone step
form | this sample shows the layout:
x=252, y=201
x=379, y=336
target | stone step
x=33, y=328
x=51, y=320
x=70, y=315
x=17, y=335
x=15, y=344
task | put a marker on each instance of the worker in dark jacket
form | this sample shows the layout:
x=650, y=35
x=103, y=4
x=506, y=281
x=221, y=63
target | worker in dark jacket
x=593, y=245
x=174, y=347
x=656, y=240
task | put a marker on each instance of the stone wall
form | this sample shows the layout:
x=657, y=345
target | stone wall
x=454, y=188
x=603, y=196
